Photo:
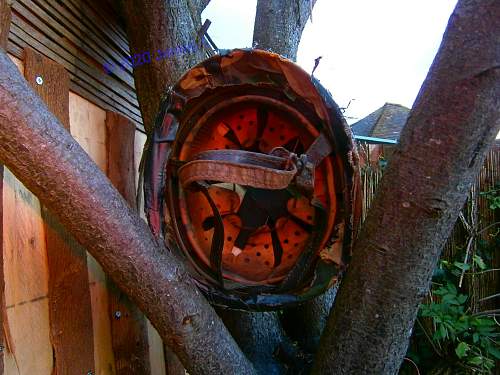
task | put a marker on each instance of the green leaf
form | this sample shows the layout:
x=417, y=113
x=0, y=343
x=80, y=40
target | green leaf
x=479, y=261
x=475, y=337
x=441, y=292
x=442, y=331
x=452, y=288
x=494, y=352
x=451, y=299
x=484, y=322
x=462, y=266
x=462, y=349
x=495, y=203
x=475, y=360
x=462, y=298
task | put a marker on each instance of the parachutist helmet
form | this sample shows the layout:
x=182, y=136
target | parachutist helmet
x=251, y=174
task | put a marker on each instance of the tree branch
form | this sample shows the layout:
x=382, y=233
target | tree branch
x=279, y=25
x=44, y=156
x=202, y=5
x=454, y=120
x=162, y=25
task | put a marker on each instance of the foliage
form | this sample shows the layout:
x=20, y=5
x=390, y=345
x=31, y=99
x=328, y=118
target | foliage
x=450, y=336
x=468, y=340
x=493, y=197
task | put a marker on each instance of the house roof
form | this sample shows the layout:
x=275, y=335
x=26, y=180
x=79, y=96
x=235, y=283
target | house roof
x=386, y=122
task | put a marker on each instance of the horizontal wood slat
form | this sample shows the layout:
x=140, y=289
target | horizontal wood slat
x=73, y=24
x=70, y=54
x=82, y=38
x=107, y=9
x=79, y=78
x=93, y=21
x=65, y=37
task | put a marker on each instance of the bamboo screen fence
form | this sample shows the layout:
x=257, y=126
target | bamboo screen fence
x=477, y=223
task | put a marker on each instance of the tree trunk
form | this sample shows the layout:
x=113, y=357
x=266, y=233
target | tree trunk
x=259, y=336
x=279, y=25
x=5, y=18
x=44, y=156
x=305, y=323
x=167, y=29
x=452, y=124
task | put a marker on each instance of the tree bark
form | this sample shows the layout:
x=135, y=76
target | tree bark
x=44, y=156
x=305, y=323
x=279, y=25
x=262, y=339
x=452, y=124
x=167, y=29
x=258, y=335
x=5, y=18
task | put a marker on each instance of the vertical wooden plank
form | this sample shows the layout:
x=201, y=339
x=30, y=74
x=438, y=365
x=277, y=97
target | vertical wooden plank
x=89, y=129
x=26, y=281
x=50, y=81
x=26, y=323
x=3, y=310
x=140, y=141
x=120, y=140
x=128, y=325
x=5, y=17
x=156, y=352
x=69, y=295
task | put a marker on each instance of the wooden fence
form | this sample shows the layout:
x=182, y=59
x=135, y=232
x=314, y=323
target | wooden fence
x=62, y=315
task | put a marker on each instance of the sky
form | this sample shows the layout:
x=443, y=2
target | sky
x=373, y=51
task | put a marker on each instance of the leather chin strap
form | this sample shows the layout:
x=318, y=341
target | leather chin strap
x=218, y=238
x=276, y=171
x=240, y=167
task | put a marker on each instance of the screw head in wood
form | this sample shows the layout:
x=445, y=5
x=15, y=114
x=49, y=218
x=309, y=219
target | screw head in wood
x=39, y=80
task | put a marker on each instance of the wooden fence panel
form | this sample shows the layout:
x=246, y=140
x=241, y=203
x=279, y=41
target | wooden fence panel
x=5, y=17
x=26, y=282
x=69, y=295
x=156, y=352
x=89, y=129
x=28, y=348
x=128, y=325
